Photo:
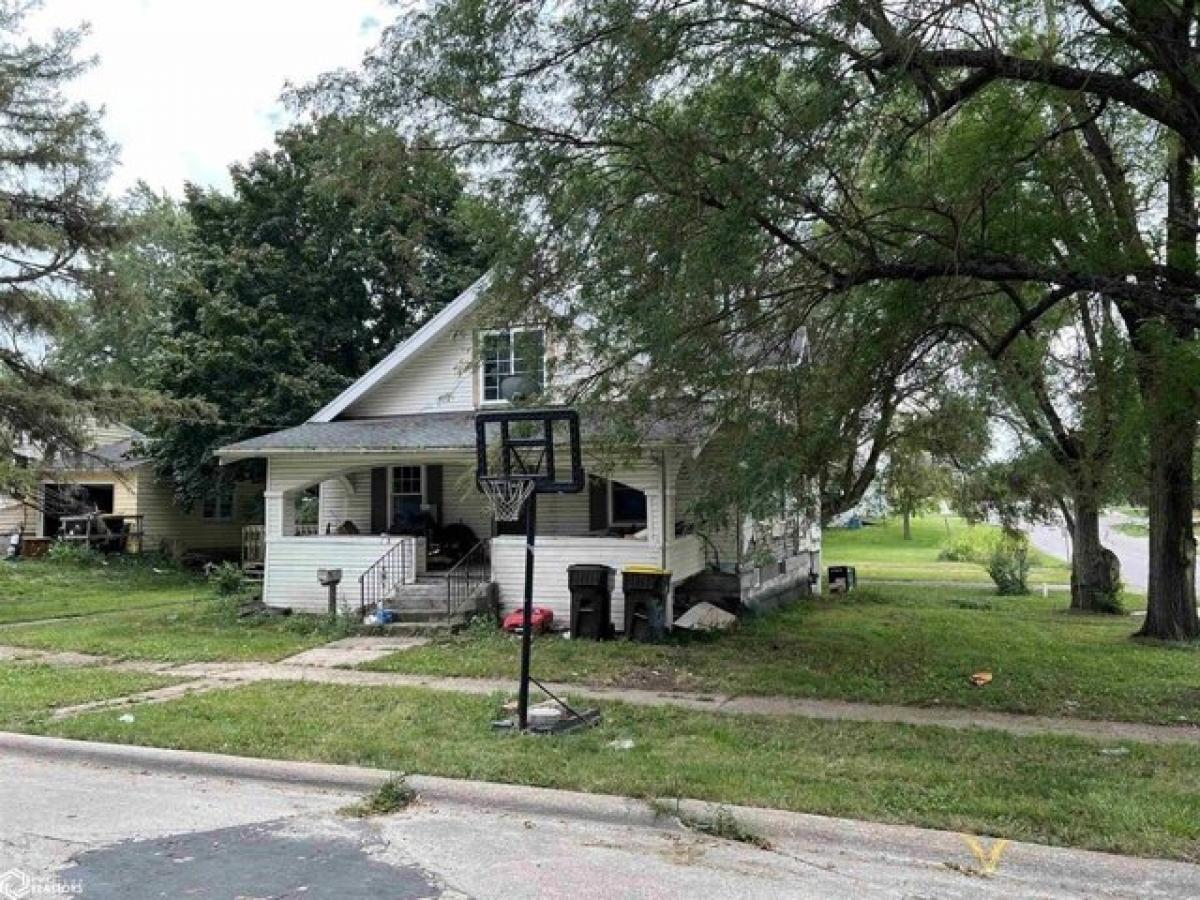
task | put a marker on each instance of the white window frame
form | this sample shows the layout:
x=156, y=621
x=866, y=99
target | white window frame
x=516, y=329
x=392, y=488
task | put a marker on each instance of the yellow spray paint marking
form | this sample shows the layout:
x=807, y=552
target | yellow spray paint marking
x=989, y=860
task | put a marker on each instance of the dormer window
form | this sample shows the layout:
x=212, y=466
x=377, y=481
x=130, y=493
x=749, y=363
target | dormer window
x=513, y=362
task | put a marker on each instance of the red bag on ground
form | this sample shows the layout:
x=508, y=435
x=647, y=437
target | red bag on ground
x=542, y=618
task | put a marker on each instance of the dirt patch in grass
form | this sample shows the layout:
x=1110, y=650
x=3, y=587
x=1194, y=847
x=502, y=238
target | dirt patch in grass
x=645, y=679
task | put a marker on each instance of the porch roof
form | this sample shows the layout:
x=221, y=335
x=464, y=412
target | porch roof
x=420, y=431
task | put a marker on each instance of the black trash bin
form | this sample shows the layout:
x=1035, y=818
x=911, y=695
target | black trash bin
x=842, y=579
x=591, y=601
x=646, y=589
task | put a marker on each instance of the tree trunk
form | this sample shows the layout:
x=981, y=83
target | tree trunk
x=1172, y=400
x=1095, y=570
x=1171, y=610
x=907, y=525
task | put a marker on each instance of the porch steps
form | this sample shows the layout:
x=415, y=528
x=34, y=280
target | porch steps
x=424, y=605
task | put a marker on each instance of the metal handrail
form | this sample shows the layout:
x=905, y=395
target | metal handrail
x=466, y=576
x=379, y=582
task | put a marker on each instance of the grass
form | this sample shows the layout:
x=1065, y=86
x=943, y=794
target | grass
x=911, y=645
x=1047, y=789
x=1133, y=529
x=880, y=552
x=30, y=692
x=206, y=630
x=392, y=796
x=32, y=589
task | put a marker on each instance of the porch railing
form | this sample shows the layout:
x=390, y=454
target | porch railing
x=467, y=576
x=378, y=583
x=254, y=545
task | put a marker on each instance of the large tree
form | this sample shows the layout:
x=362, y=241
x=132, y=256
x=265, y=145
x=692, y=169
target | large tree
x=117, y=334
x=332, y=247
x=1067, y=399
x=56, y=231
x=742, y=162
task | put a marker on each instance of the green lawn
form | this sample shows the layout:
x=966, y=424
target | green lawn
x=1140, y=800
x=1133, y=529
x=912, y=645
x=29, y=692
x=133, y=608
x=32, y=589
x=204, y=631
x=880, y=552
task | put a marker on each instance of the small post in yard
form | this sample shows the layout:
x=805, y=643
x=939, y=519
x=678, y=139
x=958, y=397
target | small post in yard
x=331, y=578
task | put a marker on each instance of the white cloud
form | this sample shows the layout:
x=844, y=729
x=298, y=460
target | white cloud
x=190, y=86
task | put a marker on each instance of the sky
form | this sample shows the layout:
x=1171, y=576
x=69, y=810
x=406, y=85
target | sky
x=190, y=86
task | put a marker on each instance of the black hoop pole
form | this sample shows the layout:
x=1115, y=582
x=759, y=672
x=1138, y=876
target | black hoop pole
x=527, y=631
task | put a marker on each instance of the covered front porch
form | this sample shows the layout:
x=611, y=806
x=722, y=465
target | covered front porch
x=410, y=531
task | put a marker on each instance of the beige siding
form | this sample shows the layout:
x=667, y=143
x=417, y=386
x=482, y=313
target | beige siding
x=168, y=527
x=438, y=378
x=111, y=433
x=14, y=514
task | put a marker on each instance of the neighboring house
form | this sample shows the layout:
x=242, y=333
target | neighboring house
x=398, y=447
x=110, y=477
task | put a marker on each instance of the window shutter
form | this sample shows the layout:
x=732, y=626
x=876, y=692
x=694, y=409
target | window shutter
x=597, y=503
x=433, y=490
x=379, y=500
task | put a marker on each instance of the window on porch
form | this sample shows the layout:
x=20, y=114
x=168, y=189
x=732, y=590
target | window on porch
x=628, y=505
x=407, y=497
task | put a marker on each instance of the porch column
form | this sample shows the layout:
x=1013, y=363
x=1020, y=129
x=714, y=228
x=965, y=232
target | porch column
x=280, y=514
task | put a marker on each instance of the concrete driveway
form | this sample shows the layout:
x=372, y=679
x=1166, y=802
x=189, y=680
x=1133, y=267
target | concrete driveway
x=94, y=830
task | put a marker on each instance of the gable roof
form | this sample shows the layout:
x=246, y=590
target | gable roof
x=430, y=331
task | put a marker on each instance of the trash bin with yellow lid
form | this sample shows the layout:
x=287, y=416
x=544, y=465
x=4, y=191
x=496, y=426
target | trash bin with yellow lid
x=646, y=589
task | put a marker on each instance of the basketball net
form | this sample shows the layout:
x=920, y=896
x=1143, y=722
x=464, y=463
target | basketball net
x=507, y=495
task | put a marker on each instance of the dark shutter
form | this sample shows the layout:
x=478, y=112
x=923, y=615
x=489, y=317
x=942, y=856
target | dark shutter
x=379, y=500
x=433, y=490
x=597, y=504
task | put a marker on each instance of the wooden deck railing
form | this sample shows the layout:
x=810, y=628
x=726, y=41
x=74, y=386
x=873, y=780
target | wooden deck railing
x=254, y=545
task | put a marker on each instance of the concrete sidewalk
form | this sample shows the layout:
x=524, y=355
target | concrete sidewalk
x=204, y=677
x=135, y=823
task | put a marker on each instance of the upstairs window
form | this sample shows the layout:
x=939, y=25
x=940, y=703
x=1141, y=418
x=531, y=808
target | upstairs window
x=519, y=352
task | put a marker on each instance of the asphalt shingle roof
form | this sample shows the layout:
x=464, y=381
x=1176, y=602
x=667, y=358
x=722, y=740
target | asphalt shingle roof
x=422, y=431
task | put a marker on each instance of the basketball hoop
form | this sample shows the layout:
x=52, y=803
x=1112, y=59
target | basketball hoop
x=506, y=495
x=521, y=453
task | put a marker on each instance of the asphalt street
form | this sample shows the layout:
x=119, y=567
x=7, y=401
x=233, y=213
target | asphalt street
x=1133, y=552
x=77, y=828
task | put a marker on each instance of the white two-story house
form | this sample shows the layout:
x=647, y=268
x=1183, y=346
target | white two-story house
x=389, y=466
